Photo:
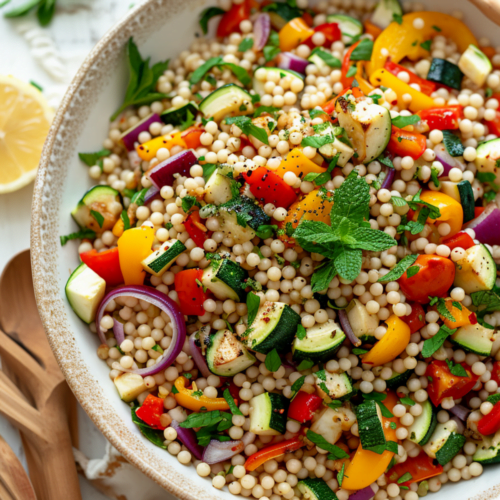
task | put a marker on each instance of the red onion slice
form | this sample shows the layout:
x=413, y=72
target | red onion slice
x=364, y=494
x=188, y=438
x=346, y=327
x=131, y=136
x=167, y=305
x=261, y=31
x=487, y=225
x=218, y=451
x=118, y=326
x=152, y=193
x=389, y=178
x=198, y=358
x=287, y=60
x=447, y=160
x=163, y=173
x=461, y=412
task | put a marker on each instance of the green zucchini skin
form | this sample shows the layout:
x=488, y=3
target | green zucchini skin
x=233, y=275
x=279, y=413
x=466, y=200
x=317, y=489
x=445, y=72
x=432, y=427
x=371, y=431
x=451, y=448
x=398, y=380
x=244, y=205
x=178, y=115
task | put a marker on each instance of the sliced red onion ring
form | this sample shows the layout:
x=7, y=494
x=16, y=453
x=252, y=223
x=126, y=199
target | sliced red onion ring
x=198, y=358
x=461, y=412
x=447, y=160
x=118, y=326
x=188, y=438
x=218, y=451
x=346, y=327
x=389, y=178
x=163, y=173
x=487, y=225
x=287, y=60
x=167, y=305
x=131, y=136
x=261, y=31
x=152, y=193
x=364, y=494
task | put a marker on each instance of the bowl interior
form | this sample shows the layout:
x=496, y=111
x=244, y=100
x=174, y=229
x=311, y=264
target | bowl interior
x=162, y=29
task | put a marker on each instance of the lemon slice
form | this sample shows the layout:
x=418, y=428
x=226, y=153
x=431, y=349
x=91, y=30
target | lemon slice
x=25, y=119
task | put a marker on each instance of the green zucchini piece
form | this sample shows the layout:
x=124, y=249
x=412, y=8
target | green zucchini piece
x=316, y=489
x=475, y=64
x=274, y=327
x=423, y=426
x=269, y=414
x=230, y=98
x=446, y=73
x=226, y=279
x=321, y=342
x=398, y=379
x=384, y=13
x=444, y=443
x=334, y=385
x=176, y=116
x=466, y=200
x=476, y=271
x=158, y=262
x=474, y=338
x=349, y=26
x=488, y=452
x=371, y=430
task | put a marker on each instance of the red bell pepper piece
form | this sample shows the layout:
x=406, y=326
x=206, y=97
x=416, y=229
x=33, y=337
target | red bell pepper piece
x=303, y=406
x=494, y=125
x=426, y=86
x=416, y=319
x=196, y=230
x=444, y=384
x=478, y=211
x=330, y=30
x=495, y=372
x=151, y=411
x=420, y=467
x=106, y=264
x=404, y=143
x=346, y=65
x=190, y=292
x=231, y=20
x=270, y=452
x=446, y=118
x=269, y=187
x=459, y=240
x=490, y=423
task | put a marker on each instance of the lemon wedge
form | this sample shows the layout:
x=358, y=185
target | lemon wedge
x=25, y=119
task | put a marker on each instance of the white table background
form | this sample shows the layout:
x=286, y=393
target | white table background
x=76, y=28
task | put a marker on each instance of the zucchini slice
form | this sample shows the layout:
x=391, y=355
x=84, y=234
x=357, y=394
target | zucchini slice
x=474, y=338
x=476, y=271
x=176, y=116
x=84, y=290
x=328, y=151
x=487, y=155
x=315, y=489
x=423, y=426
x=363, y=323
x=446, y=73
x=444, y=443
x=320, y=343
x=488, y=452
x=475, y=64
x=461, y=192
x=349, y=26
x=226, y=355
x=268, y=417
x=398, y=379
x=218, y=188
x=129, y=386
x=333, y=385
x=371, y=430
x=274, y=327
x=383, y=15
x=158, y=262
x=228, y=99
x=226, y=279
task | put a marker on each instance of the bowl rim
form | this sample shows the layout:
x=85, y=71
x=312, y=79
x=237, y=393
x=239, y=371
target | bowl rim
x=115, y=432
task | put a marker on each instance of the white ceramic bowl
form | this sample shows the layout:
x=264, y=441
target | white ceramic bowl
x=162, y=29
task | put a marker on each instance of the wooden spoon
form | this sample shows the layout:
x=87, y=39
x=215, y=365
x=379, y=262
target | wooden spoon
x=490, y=8
x=13, y=478
x=41, y=414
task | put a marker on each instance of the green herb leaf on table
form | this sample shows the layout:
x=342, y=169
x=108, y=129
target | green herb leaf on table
x=399, y=269
x=142, y=80
x=230, y=401
x=404, y=121
x=273, y=361
x=363, y=51
x=207, y=14
x=434, y=343
x=80, y=235
x=248, y=128
x=321, y=442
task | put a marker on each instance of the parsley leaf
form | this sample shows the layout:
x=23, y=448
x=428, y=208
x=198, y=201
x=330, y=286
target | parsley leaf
x=399, y=269
x=434, y=343
x=403, y=121
x=80, y=235
x=248, y=128
x=273, y=361
x=207, y=14
x=141, y=87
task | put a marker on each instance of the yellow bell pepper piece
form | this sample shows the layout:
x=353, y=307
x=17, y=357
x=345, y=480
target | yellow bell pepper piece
x=451, y=211
x=298, y=163
x=365, y=86
x=118, y=228
x=134, y=246
x=391, y=345
x=461, y=316
x=294, y=33
x=403, y=40
x=366, y=466
x=419, y=101
x=314, y=206
x=148, y=150
x=187, y=399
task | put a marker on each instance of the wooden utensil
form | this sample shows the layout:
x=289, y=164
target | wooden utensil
x=42, y=414
x=490, y=8
x=13, y=478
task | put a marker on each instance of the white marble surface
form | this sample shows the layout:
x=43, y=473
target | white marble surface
x=77, y=26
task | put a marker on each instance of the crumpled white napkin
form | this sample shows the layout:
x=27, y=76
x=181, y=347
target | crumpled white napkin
x=116, y=478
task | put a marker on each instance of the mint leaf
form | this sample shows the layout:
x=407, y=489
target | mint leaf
x=305, y=365
x=407, y=401
x=456, y=369
x=314, y=236
x=301, y=332
x=326, y=57
x=372, y=240
x=253, y=304
x=452, y=143
x=208, y=170
x=399, y=269
x=403, y=121
x=322, y=443
x=412, y=271
x=443, y=310
x=91, y=159
x=322, y=276
x=217, y=62
x=248, y=128
x=398, y=18
x=352, y=71
x=298, y=384
x=98, y=217
x=80, y=235
x=314, y=113
x=317, y=141
x=245, y=44
x=266, y=109
x=352, y=199
x=189, y=202
x=363, y=51
x=426, y=45
x=434, y=343
x=348, y=263
x=138, y=198
x=405, y=477
x=273, y=361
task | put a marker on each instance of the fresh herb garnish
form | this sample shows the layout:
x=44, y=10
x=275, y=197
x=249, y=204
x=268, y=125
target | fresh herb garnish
x=404, y=121
x=363, y=51
x=217, y=62
x=245, y=44
x=188, y=202
x=305, y=364
x=407, y=401
x=326, y=57
x=434, y=343
x=452, y=143
x=272, y=48
x=456, y=369
x=398, y=18
x=230, y=401
x=296, y=386
x=207, y=14
x=314, y=113
x=266, y=109
x=273, y=361
x=426, y=45
x=405, y=477
x=248, y=128
x=91, y=159
x=301, y=332
x=253, y=304
x=336, y=453
x=399, y=269
x=351, y=71
x=98, y=217
x=84, y=233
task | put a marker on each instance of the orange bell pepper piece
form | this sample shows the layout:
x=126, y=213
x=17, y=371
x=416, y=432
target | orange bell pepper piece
x=270, y=452
x=372, y=29
x=451, y=211
x=462, y=317
x=191, y=137
x=186, y=398
x=298, y=163
x=366, y=466
x=118, y=228
x=134, y=245
x=294, y=33
x=391, y=345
